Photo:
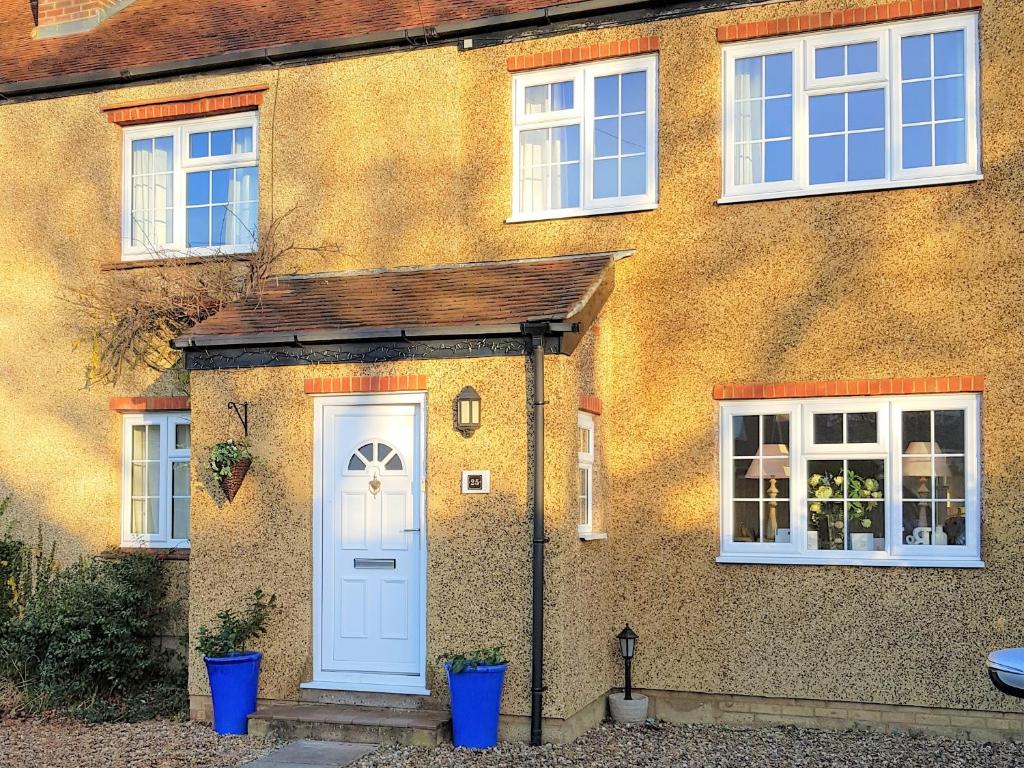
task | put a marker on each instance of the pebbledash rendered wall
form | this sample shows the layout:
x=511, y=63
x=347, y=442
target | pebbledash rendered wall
x=405, y=158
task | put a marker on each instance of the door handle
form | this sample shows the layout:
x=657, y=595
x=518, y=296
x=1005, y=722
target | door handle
x=410, y=530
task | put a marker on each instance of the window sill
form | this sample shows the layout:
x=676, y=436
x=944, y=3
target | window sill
x=576, y=213
x=851, y=189
x=161, y=553
x=592, y=536
x=895, y=562
x=132, y=262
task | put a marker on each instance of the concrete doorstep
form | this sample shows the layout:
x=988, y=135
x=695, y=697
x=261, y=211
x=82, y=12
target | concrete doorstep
x=313, y=754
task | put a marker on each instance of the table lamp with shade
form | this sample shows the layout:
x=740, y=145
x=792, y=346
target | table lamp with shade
x=917, y=462
x=772, y=462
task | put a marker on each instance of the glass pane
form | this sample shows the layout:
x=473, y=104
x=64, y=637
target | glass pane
x=197, y=222
x=606, y=95
x=356, y=463
x=778, y=160
x=746, y=438
x=917, y=523
x=949, y=431
x=917, y=428
x=827, y=161
x=218, y=224
x=830, y=62
x=152, y=442
x=748, y=163
x=606, y=178
x=949, y=98
x=199, y=145
x=562, y=95
x=777, y=522
x=950, y=524
x=746, y=523
x=144, y=515
x=634, y=175
x=949, y=53
x=861, y=58
x=142, y=156
x=915, y=53
x=634, y=134
x=367, y=451
x=181, y=512
x=748, y=78
x=867, y=156
x=917, y=102
x=243, y=140
x=776, y=429
x=862, y=427
x=828, y=428
x=220, y=182
x=584, y=436
x=778, y=118
x=828, y=113
x=394, y=464
x=746, y=478
x=180, y=478
x=197, y=188
x=826, y=525
x=139, y=442
x=565, y=143
x=951, y=143
x=606, y=137
x=382, y=451
x=778, y=74
x=138, y=478
x=536, y=99
x=749, y=120
x=917, y=146
x=566, y=180
x=950, y=483
x=634, y=92
x=221, y=142
x=867, y=109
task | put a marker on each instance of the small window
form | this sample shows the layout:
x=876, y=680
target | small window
x=585, y=139
x=585, y=456
x=865, y=108
x=853, y=481
x=157, y=495
x=386, y=456
x=191, y=188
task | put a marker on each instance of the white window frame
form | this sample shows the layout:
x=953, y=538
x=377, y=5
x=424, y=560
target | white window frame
x=805, y=85
x=167, y=421
x=582, y=114
x=180, y=131
x=585, y=460
x=896, y=553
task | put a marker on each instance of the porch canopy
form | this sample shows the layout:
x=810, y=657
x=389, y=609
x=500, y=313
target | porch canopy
x=451, y=310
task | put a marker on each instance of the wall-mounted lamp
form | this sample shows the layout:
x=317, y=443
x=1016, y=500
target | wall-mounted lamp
x=467, y=411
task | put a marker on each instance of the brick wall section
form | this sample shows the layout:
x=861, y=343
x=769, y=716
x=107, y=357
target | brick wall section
x=591, y=404
x=196, y=105
x=136, y=404
x=931, y=385
x=346, y=384
x=583, y=53
x=52, y=12
x=903, y=9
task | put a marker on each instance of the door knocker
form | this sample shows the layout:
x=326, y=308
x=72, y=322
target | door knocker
x=375, y=484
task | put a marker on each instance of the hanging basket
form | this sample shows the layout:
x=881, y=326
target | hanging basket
x=233, y=482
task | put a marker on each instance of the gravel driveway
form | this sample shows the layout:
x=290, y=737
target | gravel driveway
x=152, y=744
x=661, y=746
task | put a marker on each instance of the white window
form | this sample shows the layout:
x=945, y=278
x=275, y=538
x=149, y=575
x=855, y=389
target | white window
x=865, y=108
x=862, y=481
x=156, y=495
x=585, y=139
x=585, y=438
x=190, y=188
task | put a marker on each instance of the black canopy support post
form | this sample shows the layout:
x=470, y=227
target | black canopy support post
x=536, y=334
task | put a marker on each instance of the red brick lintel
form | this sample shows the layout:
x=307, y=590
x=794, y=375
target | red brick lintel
x=347, y=384
x=193, y=105
x=893, y=11
x=931, y=385
x=136, y=404
x=591, y=404
x=583, y=53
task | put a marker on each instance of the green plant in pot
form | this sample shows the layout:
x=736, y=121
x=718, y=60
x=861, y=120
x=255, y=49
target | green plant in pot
x=862, y=495
x=475, y=680
x=234, y=671
x=230, y=461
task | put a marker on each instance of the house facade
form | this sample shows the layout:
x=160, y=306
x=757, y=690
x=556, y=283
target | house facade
x=753, y=267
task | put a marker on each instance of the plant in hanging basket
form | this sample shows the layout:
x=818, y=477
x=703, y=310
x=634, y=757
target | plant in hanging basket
x=230, y=461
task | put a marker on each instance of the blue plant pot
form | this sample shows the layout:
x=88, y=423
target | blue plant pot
x=476, y=701
x=233, y=684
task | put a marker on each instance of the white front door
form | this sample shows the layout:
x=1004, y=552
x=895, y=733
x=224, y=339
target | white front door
x=371, y=603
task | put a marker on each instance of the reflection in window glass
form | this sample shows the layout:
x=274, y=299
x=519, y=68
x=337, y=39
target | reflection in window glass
x=847, y=136
x=763, y=130
x=620, y=135
x=934, y=100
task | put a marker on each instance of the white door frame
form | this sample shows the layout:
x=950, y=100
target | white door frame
x=367, y=682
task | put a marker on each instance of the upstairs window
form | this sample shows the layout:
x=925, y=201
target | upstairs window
x=852, y=481
x=156, y=478
x=866, y=108
x=191, y=188
x=585, y=139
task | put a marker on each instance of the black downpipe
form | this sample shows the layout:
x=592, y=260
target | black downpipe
x=539, y=540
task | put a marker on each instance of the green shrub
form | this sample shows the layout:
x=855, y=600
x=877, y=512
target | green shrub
x=13, y=553
x=482, y=657
x=234, y=632
x=86, y=638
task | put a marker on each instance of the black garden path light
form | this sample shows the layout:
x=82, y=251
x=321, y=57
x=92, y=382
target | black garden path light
x=625, y=707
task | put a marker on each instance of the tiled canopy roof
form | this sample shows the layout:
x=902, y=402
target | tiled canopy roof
x=149, y=32
x=457, y=300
